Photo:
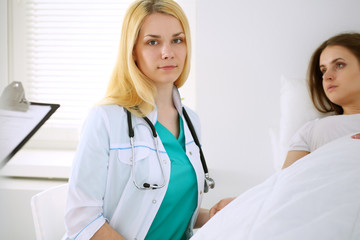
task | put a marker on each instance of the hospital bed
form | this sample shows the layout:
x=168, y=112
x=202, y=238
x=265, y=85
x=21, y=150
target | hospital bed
x=318, y=197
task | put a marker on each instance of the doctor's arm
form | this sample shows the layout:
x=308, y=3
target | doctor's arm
x=106, y=232
x=293, y=156
x=84, y=209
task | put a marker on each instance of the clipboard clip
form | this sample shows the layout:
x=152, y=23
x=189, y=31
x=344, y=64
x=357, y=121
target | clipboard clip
x=13, y=98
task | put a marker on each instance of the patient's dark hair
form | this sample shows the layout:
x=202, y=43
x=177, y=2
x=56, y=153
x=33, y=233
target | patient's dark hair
x=351, y=41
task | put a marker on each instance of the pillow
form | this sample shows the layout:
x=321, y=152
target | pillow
x=296, y=109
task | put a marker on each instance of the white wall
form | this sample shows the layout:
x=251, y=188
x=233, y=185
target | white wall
x=243, y=47
x=3, y=45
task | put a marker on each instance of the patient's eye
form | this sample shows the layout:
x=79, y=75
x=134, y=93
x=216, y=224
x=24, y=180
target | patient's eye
x=340, y=65
x=322, y=70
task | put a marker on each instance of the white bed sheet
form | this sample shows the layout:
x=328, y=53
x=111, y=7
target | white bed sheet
x=318, y=197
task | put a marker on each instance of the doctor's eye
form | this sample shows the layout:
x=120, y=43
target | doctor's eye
x=178, y=40
x=152, y=42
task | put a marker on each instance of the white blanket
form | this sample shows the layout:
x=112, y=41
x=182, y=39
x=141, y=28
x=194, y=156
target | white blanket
x=318, y=197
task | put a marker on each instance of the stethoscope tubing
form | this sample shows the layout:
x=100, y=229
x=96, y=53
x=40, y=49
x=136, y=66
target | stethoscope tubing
x=209, y=181
x=196, y=140
x=131, y=135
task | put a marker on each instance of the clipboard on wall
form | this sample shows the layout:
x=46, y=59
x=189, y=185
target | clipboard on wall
x=19, y=120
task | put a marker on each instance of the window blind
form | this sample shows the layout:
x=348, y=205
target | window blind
x=71, y=48
x=64, y=52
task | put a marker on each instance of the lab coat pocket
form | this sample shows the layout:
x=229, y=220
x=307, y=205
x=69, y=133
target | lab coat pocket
x=140, y=151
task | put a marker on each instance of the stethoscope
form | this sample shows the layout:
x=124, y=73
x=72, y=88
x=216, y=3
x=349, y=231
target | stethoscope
x=209, y=182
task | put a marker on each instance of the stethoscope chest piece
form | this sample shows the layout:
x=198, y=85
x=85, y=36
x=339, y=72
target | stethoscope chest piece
x=209, y=183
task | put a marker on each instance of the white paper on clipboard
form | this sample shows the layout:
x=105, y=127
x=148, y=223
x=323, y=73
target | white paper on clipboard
x=16, y=128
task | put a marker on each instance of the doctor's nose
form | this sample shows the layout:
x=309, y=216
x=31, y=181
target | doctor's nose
x=167, y=52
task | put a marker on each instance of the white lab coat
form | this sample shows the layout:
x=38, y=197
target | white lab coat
x=101, y=187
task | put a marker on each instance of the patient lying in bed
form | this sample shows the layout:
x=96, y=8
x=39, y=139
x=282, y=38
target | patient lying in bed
x=334, y=84
x=318, y=197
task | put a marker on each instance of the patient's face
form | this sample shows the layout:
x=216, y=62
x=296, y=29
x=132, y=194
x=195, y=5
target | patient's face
x=341, y=76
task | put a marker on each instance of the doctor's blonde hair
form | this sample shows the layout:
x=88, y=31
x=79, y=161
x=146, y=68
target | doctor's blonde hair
x=128, y=86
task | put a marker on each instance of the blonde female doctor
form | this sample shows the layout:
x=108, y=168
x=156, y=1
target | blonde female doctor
x=137, y=173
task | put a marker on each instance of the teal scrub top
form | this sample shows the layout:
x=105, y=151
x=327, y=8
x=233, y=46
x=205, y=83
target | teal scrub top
x=180, y=200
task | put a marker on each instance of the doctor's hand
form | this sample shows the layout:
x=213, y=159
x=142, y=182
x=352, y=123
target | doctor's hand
x=356, y=136
x=220, y=205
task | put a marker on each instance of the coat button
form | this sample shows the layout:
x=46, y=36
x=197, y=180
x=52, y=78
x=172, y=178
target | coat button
x=200, y=192
x=190, y=153
x=154, y=201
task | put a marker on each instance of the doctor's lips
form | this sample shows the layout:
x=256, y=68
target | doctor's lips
x=168, y=67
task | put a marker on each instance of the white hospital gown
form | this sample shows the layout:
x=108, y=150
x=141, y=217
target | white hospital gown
x=318, y=132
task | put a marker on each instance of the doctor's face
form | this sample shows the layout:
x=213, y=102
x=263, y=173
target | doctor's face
x=160, y=50
x=341, y=76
